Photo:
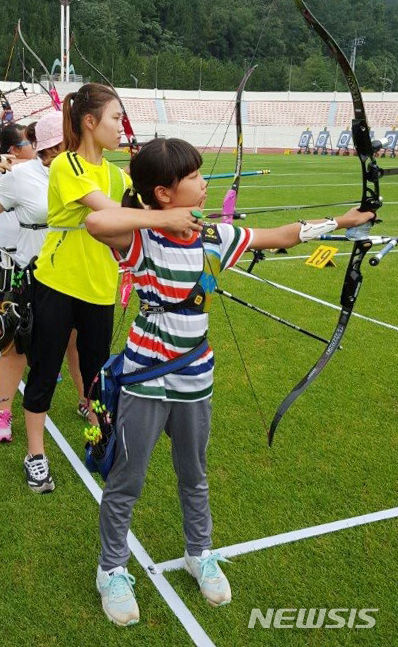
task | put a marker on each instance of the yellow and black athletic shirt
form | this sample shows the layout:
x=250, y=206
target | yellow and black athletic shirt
x=71, y=261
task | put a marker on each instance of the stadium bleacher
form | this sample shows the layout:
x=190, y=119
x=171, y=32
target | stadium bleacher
x=265, y=116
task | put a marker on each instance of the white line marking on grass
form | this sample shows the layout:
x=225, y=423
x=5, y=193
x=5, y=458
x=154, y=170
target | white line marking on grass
x=168, y=593
x=288, y=537
x=311, y=298
x=286, y=257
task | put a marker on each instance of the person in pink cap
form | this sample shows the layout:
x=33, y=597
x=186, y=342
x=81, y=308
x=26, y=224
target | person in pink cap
x=24, y=189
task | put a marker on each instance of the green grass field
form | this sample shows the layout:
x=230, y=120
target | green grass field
x=334, y=457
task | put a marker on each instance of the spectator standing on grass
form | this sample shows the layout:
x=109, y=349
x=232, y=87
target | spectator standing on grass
x=76, y=276
x=174, y=278
x=14, y=148
x=24, y=190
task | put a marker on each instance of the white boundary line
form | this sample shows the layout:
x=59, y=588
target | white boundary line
x=168, y=593
x=286, y=257
x=155, y=571
x=288, y=537
x=311, y=298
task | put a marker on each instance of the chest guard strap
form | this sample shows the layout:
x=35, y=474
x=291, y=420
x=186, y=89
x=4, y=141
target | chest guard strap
x=196, y=299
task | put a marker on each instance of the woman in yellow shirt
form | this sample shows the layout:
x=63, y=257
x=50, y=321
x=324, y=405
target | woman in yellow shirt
x=76, y=276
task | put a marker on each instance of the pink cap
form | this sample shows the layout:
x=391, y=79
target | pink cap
x=48, y=131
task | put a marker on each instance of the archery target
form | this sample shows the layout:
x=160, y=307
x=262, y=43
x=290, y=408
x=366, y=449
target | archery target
x=391, y=137
x=322, y=139
x=344, y=139
x=305, y=139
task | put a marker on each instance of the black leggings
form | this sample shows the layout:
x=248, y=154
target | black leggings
x=55, y=315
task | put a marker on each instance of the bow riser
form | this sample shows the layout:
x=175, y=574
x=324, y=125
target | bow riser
x=353, y=278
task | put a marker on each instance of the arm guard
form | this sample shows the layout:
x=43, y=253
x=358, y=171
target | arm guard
x=311, y=230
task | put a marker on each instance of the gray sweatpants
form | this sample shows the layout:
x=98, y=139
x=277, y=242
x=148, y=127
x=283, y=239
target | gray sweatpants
x=140, y=421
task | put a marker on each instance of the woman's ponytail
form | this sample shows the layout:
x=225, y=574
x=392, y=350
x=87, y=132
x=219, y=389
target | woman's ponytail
x=70, y=126
x=30, y=132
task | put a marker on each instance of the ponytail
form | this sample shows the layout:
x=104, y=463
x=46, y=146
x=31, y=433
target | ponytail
x=30, y=132
x=132, y=199
x=70, y=126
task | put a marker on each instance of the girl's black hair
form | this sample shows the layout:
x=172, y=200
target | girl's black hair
x=10, y=135
x=160, y=162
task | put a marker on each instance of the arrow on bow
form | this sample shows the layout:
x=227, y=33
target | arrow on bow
x=288, y=207
x=370, y=201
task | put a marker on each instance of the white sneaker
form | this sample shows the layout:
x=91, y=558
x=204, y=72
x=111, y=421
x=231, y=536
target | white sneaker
x=212, y=582
x=118, y=599
x=38, y=475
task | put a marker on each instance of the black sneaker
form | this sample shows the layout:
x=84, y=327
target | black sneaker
x=38, y=475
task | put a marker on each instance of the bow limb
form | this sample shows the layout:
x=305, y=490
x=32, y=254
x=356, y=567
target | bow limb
x=31, y=78
x=52, y=89
x=128, y=129
x=229, y=208
x=370, y=201
x=229, y=204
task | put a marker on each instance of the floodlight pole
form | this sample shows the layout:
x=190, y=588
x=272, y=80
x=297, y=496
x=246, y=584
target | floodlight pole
x=200, y=74
x=356, y=42
x=290, y=78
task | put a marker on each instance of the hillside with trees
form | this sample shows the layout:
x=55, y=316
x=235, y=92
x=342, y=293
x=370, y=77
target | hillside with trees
x=187, y=45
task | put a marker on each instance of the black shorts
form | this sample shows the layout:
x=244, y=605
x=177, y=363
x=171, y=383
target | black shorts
x=55, y=315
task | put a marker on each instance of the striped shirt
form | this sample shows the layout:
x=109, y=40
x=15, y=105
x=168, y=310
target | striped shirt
x=165, y=269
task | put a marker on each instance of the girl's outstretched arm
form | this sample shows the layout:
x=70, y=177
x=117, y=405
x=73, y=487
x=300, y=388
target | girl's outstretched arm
x=289, y=235
x=115, y=226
